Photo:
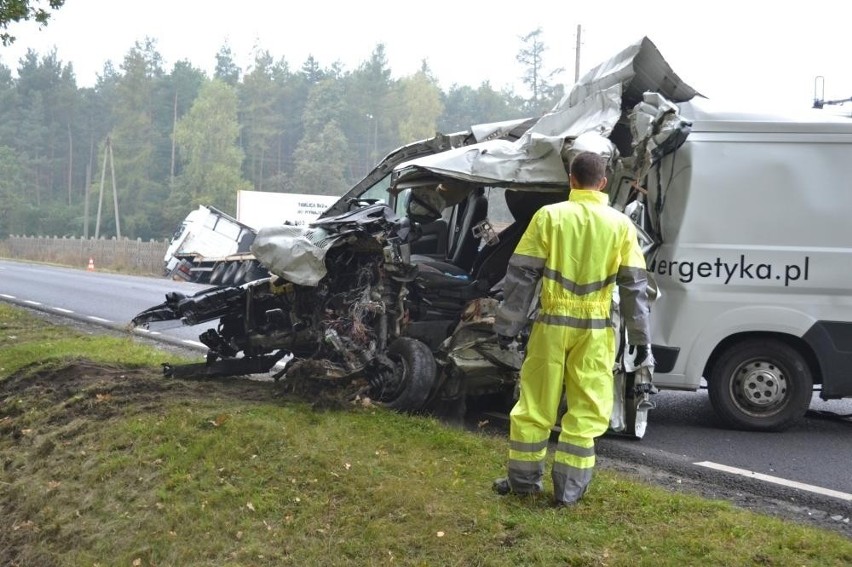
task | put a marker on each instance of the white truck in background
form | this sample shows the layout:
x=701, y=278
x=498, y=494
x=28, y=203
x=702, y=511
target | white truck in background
x=211, y=246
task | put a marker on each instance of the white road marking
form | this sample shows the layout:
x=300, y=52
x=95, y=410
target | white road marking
x=93, y=318
x=31, y=302
x=777, y=480
x=7, y=296
x=61, y=310
x=195, y=343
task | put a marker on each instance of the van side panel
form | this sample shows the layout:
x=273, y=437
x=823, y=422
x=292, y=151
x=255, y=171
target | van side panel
x=757, y=236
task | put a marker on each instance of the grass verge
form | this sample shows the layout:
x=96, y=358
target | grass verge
x=105, y=462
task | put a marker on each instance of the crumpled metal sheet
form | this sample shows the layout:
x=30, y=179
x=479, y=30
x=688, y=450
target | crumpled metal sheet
x=293, y=252
x=473, y=346
x=594, y=104
x=639, y=68
x=534, y=159
x=657, y=128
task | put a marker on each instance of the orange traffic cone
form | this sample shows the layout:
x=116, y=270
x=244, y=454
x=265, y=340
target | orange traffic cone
x=91, y=266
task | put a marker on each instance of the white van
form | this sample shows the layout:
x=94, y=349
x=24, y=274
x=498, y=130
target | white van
x=752, y=218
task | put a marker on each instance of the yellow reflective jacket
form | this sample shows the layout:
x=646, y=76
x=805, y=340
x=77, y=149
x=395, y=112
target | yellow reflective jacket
x=578, y=249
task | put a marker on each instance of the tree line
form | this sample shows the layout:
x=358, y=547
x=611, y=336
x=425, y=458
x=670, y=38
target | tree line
x=153, y=144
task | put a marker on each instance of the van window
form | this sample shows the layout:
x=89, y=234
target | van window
x=379, y=190
x=498, y=213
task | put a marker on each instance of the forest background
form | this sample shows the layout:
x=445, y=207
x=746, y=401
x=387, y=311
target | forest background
x=179, y=138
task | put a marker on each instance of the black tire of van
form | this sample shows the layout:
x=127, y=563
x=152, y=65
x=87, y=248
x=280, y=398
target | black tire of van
x=760, y=385
x=415, y=373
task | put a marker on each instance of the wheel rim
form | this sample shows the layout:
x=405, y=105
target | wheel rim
x=759, y=387
x=393, y=380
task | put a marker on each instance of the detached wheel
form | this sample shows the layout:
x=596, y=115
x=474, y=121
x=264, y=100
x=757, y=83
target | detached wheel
x=408, y=386
x=760, y=385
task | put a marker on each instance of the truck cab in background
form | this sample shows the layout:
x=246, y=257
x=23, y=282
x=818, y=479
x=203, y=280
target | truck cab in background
x=203, y=242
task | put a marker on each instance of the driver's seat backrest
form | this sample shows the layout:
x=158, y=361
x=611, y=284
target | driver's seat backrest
x=490, y=264
x=463, y=249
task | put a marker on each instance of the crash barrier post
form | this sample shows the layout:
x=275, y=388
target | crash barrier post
x=119, y=255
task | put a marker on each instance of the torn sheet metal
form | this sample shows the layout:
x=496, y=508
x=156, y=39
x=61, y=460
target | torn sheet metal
x=534, y=159
x=473, y=347
x=638, y=68
x=508, y=129
x=657, y=129
x=594, y=104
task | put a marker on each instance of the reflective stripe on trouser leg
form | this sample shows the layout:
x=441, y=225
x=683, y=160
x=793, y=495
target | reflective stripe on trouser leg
x=536, y=411
x=588, y=389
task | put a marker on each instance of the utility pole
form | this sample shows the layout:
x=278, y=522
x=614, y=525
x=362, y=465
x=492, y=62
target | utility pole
x=577, y=55
x=114, y=190
x=86, y=200
x=108, y=156
x=101, y=193
x=174, y=129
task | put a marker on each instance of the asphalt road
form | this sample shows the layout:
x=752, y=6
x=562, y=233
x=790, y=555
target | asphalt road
x=809, y=463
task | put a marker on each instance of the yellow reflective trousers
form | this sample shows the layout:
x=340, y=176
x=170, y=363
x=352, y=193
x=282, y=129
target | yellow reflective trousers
x=580, y=361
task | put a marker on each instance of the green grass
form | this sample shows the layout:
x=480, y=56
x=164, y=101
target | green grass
x=107, y=463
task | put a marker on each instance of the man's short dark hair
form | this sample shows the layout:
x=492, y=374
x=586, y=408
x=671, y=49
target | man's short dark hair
x=588, y=169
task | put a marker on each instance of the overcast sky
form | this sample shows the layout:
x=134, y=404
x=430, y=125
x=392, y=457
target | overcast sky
x=753, y=51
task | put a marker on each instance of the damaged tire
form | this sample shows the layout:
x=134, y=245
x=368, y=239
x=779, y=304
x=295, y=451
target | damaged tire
x=413, y=376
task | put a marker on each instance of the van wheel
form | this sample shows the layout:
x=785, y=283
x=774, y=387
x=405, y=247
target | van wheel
x=407, y=386
x=760, y=385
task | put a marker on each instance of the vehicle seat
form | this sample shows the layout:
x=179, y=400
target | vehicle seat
x=465, y=244
x=490, y=264
x=462, y=252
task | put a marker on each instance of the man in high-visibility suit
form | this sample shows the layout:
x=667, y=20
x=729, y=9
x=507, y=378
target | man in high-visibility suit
x=578, y=250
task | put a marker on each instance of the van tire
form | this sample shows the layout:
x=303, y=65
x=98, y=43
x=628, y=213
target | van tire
x=760, y=385
x=414, y=376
